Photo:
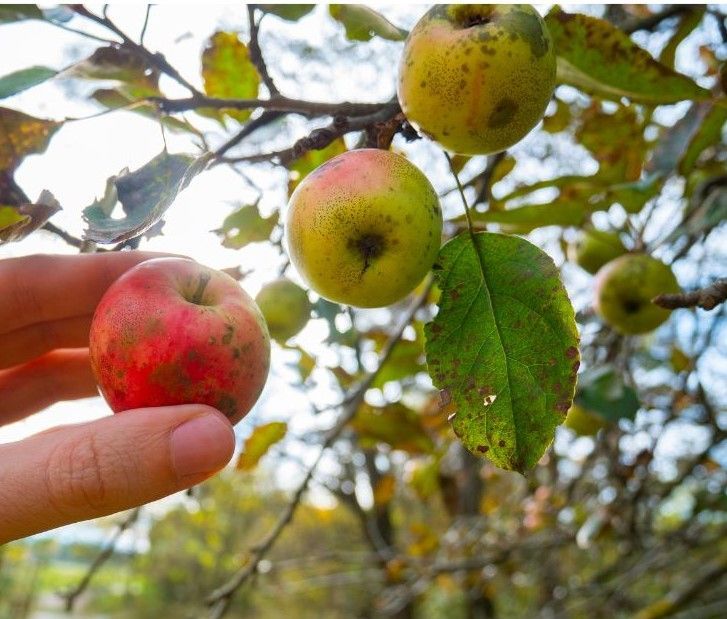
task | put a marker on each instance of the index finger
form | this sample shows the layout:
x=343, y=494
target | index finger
x=42, y=288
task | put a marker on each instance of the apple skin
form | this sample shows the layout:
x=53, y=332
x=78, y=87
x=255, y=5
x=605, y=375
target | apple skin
x=364, y=228
x=594, y=248
x=285, y=307
x=477, y=77
x=624, y=289
x=171, y=331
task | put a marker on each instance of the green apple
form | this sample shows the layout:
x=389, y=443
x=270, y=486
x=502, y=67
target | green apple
x=477, y=77
x=584, y=422
x=624, y=289
x=364, y=228
x=285, y=307
x=594, y=248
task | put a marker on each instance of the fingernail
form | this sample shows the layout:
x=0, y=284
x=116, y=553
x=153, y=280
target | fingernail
x=202, y=445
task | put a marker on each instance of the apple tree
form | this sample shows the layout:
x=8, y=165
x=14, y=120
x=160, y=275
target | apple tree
x=498, y=288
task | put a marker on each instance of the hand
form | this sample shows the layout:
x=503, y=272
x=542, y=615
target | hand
x=83, y=471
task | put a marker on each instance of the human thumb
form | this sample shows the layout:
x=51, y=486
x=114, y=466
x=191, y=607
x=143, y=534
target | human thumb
x=83, y=471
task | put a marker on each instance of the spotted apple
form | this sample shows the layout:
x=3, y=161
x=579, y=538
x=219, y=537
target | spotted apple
x=171, y=331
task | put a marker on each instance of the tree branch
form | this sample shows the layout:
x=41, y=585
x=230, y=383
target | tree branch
x=221, y=598
x=684, y=593
x=324, y=136
x=278, y=103
x=707, y=298
x=256, y=54
x=155, y=60
x=71, y=596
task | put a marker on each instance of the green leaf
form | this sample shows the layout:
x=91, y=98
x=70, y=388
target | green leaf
x=259, y=442
x=22, y=135
x=503, y=347
x=115, y=98
x=144, y=194
x=603, y=392
x=11, y=220
x=17, y=222
x=530, y=216
x=310, y=160
x=18, y=81
x=708, y=134
x=604, y=135
x=363, y=23
x=675, y=141
x=558, y=120
x=19, y=12
x=118, y=64
x=689, y=21
x=395, y=425
x=600, y=59
x=290, y=12
x=228, y=71
x=246, y=226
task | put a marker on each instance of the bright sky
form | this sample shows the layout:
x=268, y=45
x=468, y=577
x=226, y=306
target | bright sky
x=83, y=154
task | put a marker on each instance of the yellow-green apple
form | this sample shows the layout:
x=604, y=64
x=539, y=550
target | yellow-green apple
x=624, y=289
x=594, y=248
x=364, y=228
x=171, y=331
x=477, y=77
x=285, y=307
x=584, y=422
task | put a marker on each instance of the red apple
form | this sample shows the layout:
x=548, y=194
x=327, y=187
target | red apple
x=171, y=331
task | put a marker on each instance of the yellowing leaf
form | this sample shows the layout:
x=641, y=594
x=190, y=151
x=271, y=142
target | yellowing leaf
x=259, y=442
x=394, y=424
x=384, y=490
x=228, y=72
x=17, y=222
x=22, y=135
x=246, y=226
x=597, y=57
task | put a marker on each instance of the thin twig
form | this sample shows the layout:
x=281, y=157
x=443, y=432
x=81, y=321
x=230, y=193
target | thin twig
x=71, y=596
x=256, y=54
x=322, y=137
x=221, y=598
x=146, y=23
x=278, y=103
x=707, y=298
x=155, y=60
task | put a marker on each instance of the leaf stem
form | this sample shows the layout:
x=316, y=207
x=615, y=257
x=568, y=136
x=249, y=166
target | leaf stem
x=470, y=226
x=204, y=279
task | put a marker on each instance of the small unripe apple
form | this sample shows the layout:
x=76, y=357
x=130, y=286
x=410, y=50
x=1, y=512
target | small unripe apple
x=584, y=422
x=364, y=228
x=594, y=248
x=171, y=331
x=477, y=77
x=624, y=289
x=285, y=307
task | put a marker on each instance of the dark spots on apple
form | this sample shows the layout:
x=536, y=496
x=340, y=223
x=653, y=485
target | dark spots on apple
x=502, y=115
x=483, y=448
x=227, y=405
x=500, y=443
x=631, y=306
x=227, y=337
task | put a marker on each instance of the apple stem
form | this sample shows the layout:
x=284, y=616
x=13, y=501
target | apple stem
x=204, y=279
